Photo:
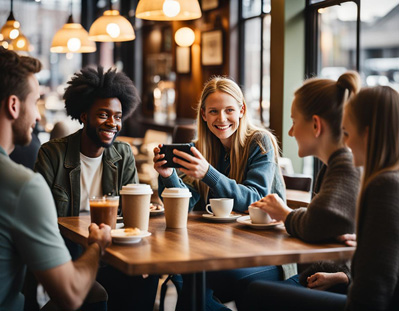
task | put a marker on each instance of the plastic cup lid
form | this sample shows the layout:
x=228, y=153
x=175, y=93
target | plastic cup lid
x=176, y=193
x=136, y=189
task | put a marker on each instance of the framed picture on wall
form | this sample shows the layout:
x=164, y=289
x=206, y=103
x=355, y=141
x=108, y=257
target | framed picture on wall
x=207, y=5
x=212, y=48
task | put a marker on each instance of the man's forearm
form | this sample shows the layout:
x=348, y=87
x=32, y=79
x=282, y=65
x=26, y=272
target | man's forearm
x=69, y=283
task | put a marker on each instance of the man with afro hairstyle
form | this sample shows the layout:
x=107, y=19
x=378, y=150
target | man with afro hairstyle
x=91, y=163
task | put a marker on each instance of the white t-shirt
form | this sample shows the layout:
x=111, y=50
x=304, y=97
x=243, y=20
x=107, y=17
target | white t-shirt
x=91, y=172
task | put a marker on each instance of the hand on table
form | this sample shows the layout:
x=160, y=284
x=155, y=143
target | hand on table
x=193, y=165
x=324, y=280
x=162, y=170
x=100, y=235
x=274, y=206
x=348, y=239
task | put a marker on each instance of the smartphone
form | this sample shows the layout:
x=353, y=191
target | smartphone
x=167, y=150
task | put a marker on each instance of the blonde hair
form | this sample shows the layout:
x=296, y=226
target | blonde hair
x=376, y=110
x=325, y=98
x=208, y=144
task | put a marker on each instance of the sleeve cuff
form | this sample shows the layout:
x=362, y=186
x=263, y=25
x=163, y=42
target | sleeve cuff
x=172, y=181
x=288, y=222
x=212, y=177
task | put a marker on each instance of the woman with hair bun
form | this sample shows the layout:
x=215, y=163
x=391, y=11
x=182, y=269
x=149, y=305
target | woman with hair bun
x=371, y=130
x=316, y=114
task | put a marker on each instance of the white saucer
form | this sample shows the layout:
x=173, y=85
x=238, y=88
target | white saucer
x=121, y=237
x=246, y=220
x=229, y=218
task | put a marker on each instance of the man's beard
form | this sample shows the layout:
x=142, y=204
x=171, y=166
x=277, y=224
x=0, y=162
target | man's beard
x=21, y=130
x=92, y=134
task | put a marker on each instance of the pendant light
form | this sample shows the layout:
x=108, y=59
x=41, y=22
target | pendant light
x=111, y=27
x=168, y=10
x=20, y=43
x=72, y=38
x=11, y=36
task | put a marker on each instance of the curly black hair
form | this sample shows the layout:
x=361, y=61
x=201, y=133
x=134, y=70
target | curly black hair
x=86, y=86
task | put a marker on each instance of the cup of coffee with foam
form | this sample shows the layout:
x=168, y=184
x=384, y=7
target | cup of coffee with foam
x=104, y=209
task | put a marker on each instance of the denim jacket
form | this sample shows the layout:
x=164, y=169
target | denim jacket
x=59, y=163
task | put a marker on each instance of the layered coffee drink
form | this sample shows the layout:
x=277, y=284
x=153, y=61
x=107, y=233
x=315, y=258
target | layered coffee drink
x=104, y=210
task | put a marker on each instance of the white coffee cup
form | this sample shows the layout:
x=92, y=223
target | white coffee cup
x=176, y=203
x=220, y=207
x=258, y=216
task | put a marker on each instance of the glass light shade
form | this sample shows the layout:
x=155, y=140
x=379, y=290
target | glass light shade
x=111, y=27
x=184, y=36
x=154, y=10
x=4, y=44
x=20, y=43
x=171, y=8
x=10, y=30
x=72, y=38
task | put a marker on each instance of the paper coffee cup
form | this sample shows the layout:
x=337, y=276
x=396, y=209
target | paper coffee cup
x=176, y=202
x=136, y=205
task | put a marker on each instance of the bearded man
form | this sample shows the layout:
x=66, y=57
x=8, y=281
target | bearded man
x=91, y=163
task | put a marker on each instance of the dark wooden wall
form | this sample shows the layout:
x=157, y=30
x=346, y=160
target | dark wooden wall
x=188, y=86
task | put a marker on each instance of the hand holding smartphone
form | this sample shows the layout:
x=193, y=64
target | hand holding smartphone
x=168, y=151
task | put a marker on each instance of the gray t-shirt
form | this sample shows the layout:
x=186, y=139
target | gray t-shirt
x=29, y=234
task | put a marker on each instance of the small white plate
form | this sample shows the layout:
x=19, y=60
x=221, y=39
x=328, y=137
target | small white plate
x=246, y=220
x=119, y=225
x=229, y=218
x=154, y=212
x=121, y=237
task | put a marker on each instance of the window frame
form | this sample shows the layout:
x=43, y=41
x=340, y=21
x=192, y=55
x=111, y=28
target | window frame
x=241, y=24
x=312, y=46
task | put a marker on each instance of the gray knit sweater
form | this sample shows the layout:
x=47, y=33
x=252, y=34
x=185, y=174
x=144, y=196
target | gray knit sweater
x=332, y=210
x=375, y=265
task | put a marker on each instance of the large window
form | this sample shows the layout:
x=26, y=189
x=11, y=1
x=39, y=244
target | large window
x=368, y=43
x=255, y=67
x=353, y=34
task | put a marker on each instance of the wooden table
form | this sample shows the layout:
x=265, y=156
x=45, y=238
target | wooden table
x=204, y=246
x=296, y=198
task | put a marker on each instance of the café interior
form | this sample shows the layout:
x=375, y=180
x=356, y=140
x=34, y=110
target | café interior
x=170, y=48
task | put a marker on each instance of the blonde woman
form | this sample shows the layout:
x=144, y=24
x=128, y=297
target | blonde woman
x=371, y=131
x=231, y=159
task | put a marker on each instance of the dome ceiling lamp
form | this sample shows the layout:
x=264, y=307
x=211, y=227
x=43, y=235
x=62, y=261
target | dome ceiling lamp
x=11, y=36
x=20, y=43
x=111, y=27
x=72, y=38
x=168, y=10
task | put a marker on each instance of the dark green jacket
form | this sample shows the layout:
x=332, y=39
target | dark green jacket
x=59, y=162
